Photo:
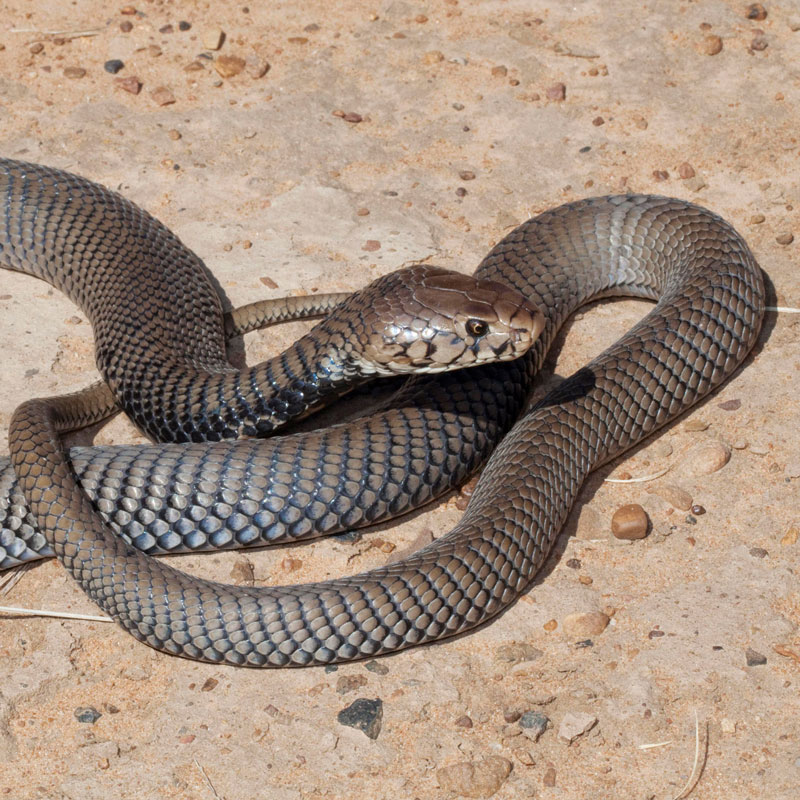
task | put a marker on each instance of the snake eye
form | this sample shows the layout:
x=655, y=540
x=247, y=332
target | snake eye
x=477, y=327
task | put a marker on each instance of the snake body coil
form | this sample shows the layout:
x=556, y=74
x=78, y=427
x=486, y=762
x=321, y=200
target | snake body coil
x=709, y=310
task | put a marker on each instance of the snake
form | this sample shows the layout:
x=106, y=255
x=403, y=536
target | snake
x=159, y=338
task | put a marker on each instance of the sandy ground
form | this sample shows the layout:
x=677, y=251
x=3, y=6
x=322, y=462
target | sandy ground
x=268, y=178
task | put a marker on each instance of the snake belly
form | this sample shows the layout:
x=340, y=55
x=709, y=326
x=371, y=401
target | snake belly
x=709, y=308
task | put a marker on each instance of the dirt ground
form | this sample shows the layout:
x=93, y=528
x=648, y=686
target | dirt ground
x=349, y=157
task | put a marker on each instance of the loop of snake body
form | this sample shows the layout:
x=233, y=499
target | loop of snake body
x=710, y=302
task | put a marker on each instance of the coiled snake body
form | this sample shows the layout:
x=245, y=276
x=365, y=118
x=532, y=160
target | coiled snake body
x=710, y=305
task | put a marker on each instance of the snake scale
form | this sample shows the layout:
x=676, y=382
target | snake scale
x=710, y=302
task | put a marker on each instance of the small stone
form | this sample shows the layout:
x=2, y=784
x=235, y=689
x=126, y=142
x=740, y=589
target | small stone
x=421, y=18
x=371, y=245
x=183, y=25
x=128, y=10
x=785, y=238
x=511, y=714
x=162, y=96
x=268, y=282
x=757, y=219
x=575, y=724
x=352, y=117
x=364, y=715
x=256, y=66
x=518, y=651
x=675, y=496
x=363, y=212
x=574, y=563
x=242, y=573
x=463, y=722
x=791, y=536
x=174, y=134
x=710, y=45
x=695, y=184
x=727, y=726
x=706, y=458
x=87, y=714
x=756, y=11
x=113, y=66
x=730, y=405
x=166, y=29
x=556, y=92
x=598, y=121
x=758, y=552
x=36, y=48
x=698, y=511
x=74, y=73
x=759, y=43
x=686, y=171
x=377, y=667
x=500, y=71
x=549, y=777
x=349, y=683
x=695, y=425
x=461, y=192
x=587, y=623
x=550, y=625
x=534, y=723
x=126, y=26
x=433, y=57
x=754, y=658
x=585, y=580
x=630, y=522
x=228, y=66
x=298, y=40
x=660, y=175
x=209, y=685
x=466, y=175
x=479, y=779
x=194, y=66
x=655, y=634
x=213, y=38
x=458, y=106
x=187, y=738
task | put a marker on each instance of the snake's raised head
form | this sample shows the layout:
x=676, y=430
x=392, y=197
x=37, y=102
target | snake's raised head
x=429, y=319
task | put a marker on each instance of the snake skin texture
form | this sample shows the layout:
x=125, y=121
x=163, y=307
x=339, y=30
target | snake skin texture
x=710, y=302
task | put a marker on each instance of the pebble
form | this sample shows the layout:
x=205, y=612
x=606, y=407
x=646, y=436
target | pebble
x=74, y=72
x=756, y=11
x=710, y=45
x=463, y=722
x=550, y=625
x=371, y=245
x=183, y=25
x=479, y=779
x=500, y=71
x=113, y=66
x=461, y=192
x=575, y=724
x=754, y=658
x=707, y=458
x=87, y=714
x=694, y=425
x=598, y=121
x=727, y=726
x=574, y=563
x=268, y=282
x=586, y=623
x=433, y=57
x=349, y=683
x=256, y=66
x=557, y=92
x=228, y=66
x=36, y=48
x=791, y=536
x=466, y=175
x=759, y=43
x=162, y=96
x=758, y=552
x=174, y=134
x=128, y=10
x=782, y=238
x=209, y=685
x=695, y=184
x=511, y=714
x=730, y=405
x=686, y=171
x=166, y=29
x=376, y=667
x=757, y=219
x=518, y=651
x=675, y=496
x=630, y=522
x=213, y=38
x=549, y=777
x=534, y=723
x=364, y=715
x=698, y=511
x=660, y=175
x=126, y=26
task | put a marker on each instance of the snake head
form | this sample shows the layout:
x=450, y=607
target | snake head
x=428, y=319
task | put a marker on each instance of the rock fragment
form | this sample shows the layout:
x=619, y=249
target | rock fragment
x=582, y=624
x=480, y=779
x=74, y=73
x=87, y=714
x=754, y=658
x=630, y=522
x=707, y=458
x=575, y=724
x=710, y=45
x=162, y=96
x=228, y=66
x=213, y=38
x=675, y=496
x=365, y=715
x=534, y=724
